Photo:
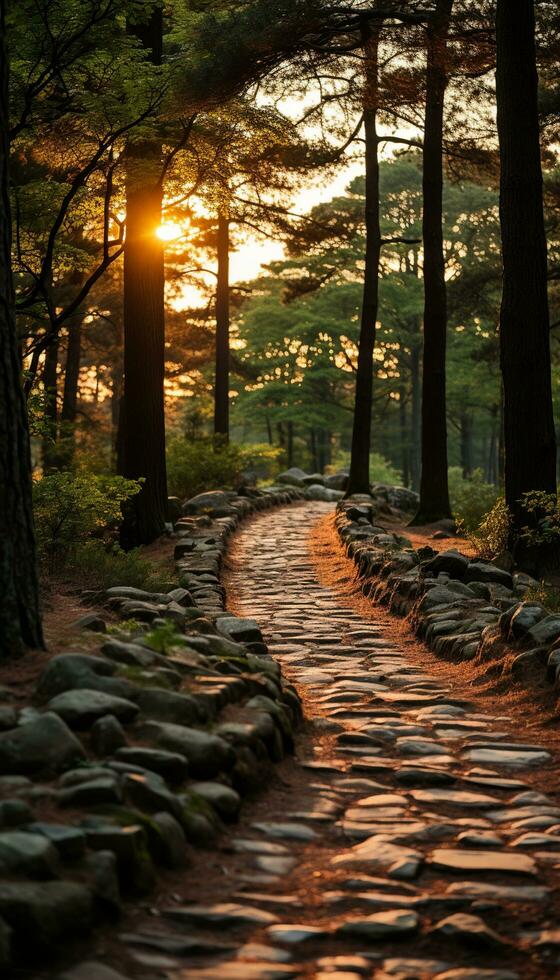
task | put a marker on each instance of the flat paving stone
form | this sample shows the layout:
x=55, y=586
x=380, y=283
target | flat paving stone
x=449, y=859
x=227, y=915
x=381, y=925
x=469, y=929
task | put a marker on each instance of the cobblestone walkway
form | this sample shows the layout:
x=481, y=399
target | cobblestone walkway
x=413, y=845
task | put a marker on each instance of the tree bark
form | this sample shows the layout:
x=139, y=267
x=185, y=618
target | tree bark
x=142, y=437
x=20, y=619
x=66, y=444
x=466, y=433
x=529, y=438
x=434, y=491
x=358, y=481
x=221, y=390
x=72, y=371
x=50, y=385
x=416, y=420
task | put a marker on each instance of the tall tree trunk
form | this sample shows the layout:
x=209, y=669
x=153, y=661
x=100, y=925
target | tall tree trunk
x=50, y=384
x=67, y=444
x=466, y=434
x=72, y=371
x=290, y=443
x=142, y=439
x=529, y=439
x=361, y=431
x=434, y=491
x=416, y=420
x=20, y=619
x=404, y=434
x=221, y=390
x=313, y=448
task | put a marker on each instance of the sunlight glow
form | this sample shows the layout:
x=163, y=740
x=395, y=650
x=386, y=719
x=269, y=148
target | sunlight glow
x=169, y=231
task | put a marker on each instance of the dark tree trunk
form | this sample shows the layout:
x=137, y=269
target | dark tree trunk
x=50, y=384
x=361, y=431
x=290, y=444
x=313, y=447
x=434, y=492
x=466, y=443
x=529, y=439
x=20, y=619
x=142, y=437
x=221, y=390
x=72, y=372
x=67, y=445
x=404, y=435
x=269, y=431
x=416, y=420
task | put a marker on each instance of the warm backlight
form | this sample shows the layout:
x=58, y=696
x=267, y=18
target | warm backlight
x=169, y=231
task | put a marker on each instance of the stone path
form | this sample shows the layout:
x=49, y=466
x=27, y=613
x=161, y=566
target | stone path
x=413, y=845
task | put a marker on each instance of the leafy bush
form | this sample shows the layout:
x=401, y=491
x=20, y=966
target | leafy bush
x=381, y=470
x=544, y=519
x=98, y=564
x=209, y=464
x=471, y=498
x=545, y=594
x=491, y=536
x=72, y=508
x=163, y=638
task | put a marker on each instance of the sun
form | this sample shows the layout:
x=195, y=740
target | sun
x=168, y=231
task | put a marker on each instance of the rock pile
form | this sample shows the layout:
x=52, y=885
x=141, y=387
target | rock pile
x=124, y=759
x=463, y=608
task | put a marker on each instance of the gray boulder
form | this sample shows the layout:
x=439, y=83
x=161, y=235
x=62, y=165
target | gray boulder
x=155, y=702
x=437, y=596
x=451, y=561
x=171, y=765
x=27, y=854
x=43, y=745
x=173, y=839
x=81, y=708
x=47, y=912
x=482, y=571
x=319, y=492
x=337, y=481
x=217, y=502
x=545, y=632
x=107, y=735
x=225, y=801
x=239, y=630
x=312, y=479
x=294, y=477
x=207, y=754
x=94, y=792
x=525, y=617
x=70, y=671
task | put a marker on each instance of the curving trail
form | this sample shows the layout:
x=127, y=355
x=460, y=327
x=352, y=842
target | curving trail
x=408, y=840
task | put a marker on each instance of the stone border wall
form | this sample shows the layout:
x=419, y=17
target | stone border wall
x=463, y=608
x=122, y=758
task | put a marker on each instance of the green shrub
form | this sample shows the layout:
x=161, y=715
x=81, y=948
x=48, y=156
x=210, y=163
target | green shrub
x=544, y=519
x=163, y=638
x=210, y=464
x=98, y=564
x=491, y=537
x=381, y=470
x=545, y=594
x=471, y=498
x=72, y=508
